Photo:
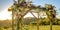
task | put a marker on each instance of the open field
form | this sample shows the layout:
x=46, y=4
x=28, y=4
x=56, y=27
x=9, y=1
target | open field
x=47, y=27
x=54, y=27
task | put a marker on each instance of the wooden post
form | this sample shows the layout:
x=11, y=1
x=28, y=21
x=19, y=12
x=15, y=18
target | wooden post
x=38, y=22
x=18, y=26
x=50, y=24
x=12, y=19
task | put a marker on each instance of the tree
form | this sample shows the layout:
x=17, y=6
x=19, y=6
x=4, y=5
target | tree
x=20, y=12
x=51, y=15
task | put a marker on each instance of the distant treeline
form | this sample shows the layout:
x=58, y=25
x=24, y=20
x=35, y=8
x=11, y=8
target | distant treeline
x=28, y=21
x=43, y=21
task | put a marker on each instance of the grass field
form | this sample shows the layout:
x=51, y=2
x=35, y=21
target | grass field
x=54, y=27
x=47, y=27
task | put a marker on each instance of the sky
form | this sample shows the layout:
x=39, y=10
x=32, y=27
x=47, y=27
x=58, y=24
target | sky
x=4, y=4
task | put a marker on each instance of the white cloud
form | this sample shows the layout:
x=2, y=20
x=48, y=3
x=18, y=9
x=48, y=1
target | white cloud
x=5, y=15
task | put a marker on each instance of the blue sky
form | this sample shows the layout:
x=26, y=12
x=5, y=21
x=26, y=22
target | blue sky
x=4, y=4
x=53, y=2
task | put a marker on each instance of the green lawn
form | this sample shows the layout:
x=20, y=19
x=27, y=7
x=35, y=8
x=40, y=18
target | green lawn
x=54, y=27
x=28, y=27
